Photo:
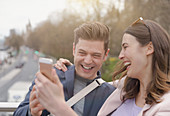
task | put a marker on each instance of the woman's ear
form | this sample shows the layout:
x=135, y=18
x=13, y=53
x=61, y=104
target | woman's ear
x=150, y=48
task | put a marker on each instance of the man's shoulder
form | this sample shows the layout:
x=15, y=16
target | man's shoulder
x=107, y=87
x=106, y=84
x=69, y=68
x=103, y=91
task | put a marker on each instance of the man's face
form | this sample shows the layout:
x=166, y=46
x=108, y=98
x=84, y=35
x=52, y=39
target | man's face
x=88, y=57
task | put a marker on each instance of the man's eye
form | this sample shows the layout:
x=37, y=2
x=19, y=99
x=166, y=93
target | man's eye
x=97, y=56
x=82, y=53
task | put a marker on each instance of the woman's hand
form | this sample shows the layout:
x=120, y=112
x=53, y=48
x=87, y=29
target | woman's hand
x=62, y=63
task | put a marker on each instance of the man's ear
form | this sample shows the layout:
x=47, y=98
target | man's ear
x=107, y=52
x=74, y=48
x=150, y=48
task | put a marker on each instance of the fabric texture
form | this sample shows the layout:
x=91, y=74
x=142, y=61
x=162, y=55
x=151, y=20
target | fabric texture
x=128, y=108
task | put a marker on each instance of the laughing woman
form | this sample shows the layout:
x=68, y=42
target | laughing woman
x=145, y=56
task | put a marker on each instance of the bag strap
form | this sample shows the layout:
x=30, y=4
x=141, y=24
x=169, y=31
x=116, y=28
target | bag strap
x=85, y=91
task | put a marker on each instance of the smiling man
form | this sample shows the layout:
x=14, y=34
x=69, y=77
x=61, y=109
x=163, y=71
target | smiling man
x=90, y=49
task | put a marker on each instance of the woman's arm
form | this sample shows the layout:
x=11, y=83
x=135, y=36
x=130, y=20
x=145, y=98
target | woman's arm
x=62, y=63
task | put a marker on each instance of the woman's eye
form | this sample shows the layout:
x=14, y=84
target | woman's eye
x=125, y=47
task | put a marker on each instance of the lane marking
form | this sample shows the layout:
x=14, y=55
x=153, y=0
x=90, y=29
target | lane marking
x=8, y=76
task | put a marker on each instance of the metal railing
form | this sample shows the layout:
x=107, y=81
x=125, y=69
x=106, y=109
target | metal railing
x=8, y=106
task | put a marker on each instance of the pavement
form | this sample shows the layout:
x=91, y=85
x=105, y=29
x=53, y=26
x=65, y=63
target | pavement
x=8, y=76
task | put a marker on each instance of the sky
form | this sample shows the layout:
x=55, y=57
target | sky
x=15, y=14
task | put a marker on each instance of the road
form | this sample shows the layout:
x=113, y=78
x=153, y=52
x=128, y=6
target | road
x=12, y=75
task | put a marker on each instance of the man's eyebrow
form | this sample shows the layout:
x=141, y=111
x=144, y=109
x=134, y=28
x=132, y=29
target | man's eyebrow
x=96, y=53
x=81, y=49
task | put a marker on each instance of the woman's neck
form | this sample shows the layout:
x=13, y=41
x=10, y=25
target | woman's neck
x=140, y=98
x=145, y=77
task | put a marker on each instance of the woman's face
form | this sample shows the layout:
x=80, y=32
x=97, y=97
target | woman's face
x=134, y=56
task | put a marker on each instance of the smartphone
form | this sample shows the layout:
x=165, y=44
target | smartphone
x=46, y=66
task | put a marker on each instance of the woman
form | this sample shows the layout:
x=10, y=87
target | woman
x=146, y=63
x=144, y=88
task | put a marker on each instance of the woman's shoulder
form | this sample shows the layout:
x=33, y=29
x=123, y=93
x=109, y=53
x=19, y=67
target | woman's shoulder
x=166, y=97
x=164, y=105
x=117, y=83
x=160, y=109
x=165, y=101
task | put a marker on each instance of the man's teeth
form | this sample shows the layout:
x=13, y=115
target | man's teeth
x=127, y=63
x=87, y=67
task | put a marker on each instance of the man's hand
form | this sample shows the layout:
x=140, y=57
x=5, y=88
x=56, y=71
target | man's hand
x=61, y=64
x=35, y=107
x=50, y=94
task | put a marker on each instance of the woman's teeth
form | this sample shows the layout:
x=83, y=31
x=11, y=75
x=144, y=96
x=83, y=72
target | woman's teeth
x=127, y=63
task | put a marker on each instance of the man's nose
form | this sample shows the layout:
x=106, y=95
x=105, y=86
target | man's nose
x=88, y=59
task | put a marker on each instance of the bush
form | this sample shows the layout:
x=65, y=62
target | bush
x=108, y=68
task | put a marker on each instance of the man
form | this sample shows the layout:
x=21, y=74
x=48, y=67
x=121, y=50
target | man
x=90, y=49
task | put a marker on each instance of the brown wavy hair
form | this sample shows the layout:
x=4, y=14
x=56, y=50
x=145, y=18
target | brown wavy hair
x=93, y=31
x=145, y=32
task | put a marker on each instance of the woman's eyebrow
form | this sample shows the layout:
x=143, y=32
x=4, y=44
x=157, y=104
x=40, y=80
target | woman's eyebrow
x=124, y=44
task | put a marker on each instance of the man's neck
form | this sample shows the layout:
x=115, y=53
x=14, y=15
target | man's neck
x=82, y=79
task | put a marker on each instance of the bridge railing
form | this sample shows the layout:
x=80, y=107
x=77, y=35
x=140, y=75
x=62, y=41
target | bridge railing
x=8, y=106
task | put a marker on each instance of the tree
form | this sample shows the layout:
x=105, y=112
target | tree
x=14, y=40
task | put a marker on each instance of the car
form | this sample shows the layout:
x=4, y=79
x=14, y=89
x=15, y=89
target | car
x=20, y=65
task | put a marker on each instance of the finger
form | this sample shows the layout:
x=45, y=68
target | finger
x=55, y=77
x=68, y=62
x=57, y=66
x=61, y=66
x=33, y=94
x=39, y=85
x=37, y=110
x=42, y=85
x=39, y=81
x=33, y=89
x=65, y=61
x=34, y=103
x=40, y=78
x=40, y=106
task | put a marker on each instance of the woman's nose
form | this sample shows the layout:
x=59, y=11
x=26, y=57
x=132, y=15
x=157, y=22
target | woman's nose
x=121, y=55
